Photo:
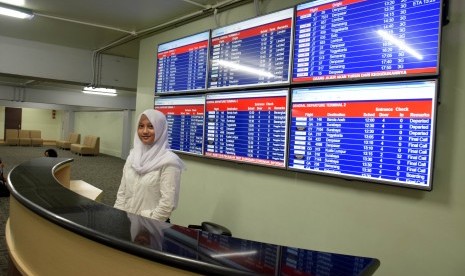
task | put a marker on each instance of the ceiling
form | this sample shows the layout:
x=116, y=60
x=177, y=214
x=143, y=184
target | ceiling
x=97, y=24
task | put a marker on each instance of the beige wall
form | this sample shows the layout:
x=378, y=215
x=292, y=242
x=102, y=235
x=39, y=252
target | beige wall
x=41, y=119
x=37, y=119
x=107, y=125
x=412, y=232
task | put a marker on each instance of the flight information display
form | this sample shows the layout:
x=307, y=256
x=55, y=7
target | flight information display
x=247, y=126
x=185, y=116
x=253, y=52
x=182, y=64
x=360, y=39
x=376, y=132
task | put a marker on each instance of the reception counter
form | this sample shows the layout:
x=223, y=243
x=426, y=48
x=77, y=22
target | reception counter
x=55, y=231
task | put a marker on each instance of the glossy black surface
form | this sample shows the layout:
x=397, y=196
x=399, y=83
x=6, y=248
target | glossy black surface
x=33, y=184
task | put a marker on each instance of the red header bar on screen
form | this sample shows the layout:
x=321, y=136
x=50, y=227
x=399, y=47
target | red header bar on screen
x=248, y=104
x=255, y=31
x=181, y=109
x=329, y=6
x=386, y=109
x=183, y=49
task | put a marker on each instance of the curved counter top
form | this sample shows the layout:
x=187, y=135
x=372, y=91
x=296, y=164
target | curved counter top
x=55, y=231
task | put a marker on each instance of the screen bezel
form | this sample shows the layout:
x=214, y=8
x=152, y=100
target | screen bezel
x=372, y=179
x=255, y=85
x=207, y=68
x=374, y=78
x=187, y=97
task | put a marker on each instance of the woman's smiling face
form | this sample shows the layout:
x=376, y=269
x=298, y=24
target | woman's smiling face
x=145, y=131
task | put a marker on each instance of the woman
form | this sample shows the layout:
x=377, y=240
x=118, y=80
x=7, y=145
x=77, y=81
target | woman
x=152, y=173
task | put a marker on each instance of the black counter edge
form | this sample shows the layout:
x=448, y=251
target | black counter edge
x=143, y=252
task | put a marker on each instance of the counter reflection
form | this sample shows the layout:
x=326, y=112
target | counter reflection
x=248, y=256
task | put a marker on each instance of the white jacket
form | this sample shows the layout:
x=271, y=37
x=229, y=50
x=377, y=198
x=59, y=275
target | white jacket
x=154, y=194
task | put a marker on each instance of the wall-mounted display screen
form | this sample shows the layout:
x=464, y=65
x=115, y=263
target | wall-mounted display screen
x=253, y=52
x=360, y=39
x=375, y=132
x=247, y=126
x=185, y=116
x=182, y=64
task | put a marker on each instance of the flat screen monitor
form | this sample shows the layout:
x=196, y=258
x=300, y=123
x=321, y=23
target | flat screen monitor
x=255, y=52
x=363, y=39
x=247, y=126
x=380, y=132
x=185, y=116
x=182, y=64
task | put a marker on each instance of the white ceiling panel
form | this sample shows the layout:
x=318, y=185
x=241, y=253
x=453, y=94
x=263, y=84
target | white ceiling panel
x=93, y=25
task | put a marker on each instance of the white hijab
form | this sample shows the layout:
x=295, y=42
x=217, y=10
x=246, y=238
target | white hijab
x=145, y=158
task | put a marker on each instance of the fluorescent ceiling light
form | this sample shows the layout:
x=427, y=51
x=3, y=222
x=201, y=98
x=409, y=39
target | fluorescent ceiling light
x=16, y=12
x=99, y=91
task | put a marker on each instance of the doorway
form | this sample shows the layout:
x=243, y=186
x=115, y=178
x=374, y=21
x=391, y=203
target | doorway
x=13, y=117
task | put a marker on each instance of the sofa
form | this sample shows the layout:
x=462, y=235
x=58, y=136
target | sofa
x=11, y=137
x=23, y=137
x=36, y=138
x=73, y=138
x=90, y=146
